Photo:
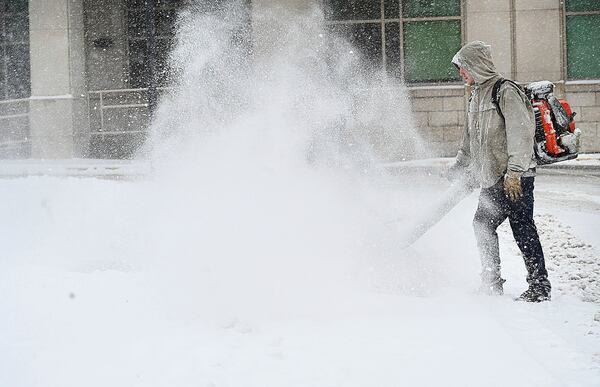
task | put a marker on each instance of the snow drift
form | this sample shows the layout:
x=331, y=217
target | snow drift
x=266, y=160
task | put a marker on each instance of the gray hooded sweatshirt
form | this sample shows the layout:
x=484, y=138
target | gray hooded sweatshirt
x=492, y=145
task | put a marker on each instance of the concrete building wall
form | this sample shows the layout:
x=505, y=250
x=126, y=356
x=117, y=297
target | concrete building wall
x=78, y=46
x=58, y=104
x=538, y=40
x=490, y=21
x=439, y=114
x=528, y=45
x=585, y=100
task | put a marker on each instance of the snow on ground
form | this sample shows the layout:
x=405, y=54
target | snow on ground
x=122, y=283
x=572, y=260
x=262, y=249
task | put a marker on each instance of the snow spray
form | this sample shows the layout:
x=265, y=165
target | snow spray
x=266, y=152
x=266, y=192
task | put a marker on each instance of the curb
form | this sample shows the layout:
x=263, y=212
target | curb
x=97, y=168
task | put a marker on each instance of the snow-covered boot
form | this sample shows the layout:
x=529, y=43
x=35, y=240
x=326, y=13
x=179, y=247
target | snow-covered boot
x=535, y=294
x=492, y=288
x=537, y=278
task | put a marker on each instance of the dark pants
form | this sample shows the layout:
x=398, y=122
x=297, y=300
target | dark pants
x=493, y=209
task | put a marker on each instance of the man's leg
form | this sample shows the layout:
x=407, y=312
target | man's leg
x=528, y=240
x=491, y=212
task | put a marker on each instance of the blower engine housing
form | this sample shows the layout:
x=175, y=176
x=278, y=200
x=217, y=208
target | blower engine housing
x=556, y=137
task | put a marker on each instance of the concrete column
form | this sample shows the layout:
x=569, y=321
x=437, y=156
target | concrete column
x=58, y=106
x=538, y=31
x=490, y=21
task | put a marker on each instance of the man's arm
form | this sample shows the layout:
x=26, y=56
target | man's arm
x=463, y=157
x=459, y=170
x=520, y=128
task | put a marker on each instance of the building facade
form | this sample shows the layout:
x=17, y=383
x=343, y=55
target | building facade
x=74, y=79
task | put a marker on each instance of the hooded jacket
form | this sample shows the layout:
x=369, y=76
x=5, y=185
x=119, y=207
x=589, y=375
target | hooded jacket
x=491, y=145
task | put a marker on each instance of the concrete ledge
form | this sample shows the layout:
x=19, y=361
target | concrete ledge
x=140, y=168
x=585, y=162
x=582, y=86
x=426, y=91
x=74, y=168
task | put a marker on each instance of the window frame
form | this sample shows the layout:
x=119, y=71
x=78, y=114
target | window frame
x=133, y=38
x=565, y=41
x=400, y=19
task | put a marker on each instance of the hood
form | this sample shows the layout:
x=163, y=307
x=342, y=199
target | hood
x=476, y=58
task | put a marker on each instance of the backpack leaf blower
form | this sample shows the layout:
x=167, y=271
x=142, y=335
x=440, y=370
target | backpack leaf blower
x=556, y=137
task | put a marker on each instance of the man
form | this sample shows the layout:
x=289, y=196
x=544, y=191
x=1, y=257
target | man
x=497, y=154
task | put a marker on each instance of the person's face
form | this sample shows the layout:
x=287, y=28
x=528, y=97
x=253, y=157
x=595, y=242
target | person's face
x=468, y=78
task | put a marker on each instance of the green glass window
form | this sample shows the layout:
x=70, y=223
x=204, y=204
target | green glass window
x=353, y=10
x=582, y=5
x=429, y=47
x=411, y=39
x=583, y=46
x=430, y=8
x=582, y=32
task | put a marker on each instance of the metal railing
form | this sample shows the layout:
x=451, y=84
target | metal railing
x=119, y=120
x=107, y=100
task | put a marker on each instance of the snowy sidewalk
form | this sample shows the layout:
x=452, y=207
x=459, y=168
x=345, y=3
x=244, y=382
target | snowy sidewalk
x=136, y=168
x=157, y=283
x=223, y=277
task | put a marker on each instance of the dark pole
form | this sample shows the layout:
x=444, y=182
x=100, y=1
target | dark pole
x=151, y=56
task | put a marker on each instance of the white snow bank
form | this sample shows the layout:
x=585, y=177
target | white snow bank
x=146, y=284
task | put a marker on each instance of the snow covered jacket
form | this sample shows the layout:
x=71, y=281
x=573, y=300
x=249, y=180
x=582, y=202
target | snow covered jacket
x=491, y=145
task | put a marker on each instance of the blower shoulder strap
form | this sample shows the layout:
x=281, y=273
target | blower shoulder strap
x=496, y=93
